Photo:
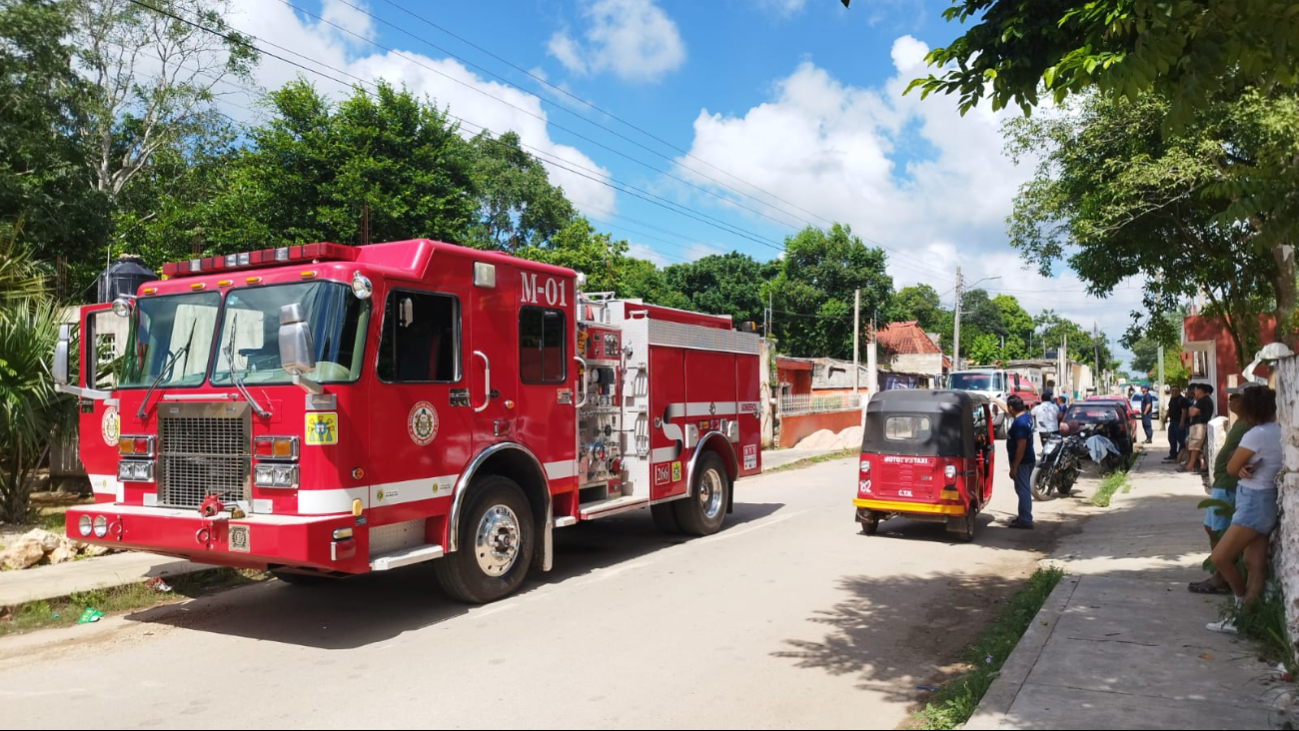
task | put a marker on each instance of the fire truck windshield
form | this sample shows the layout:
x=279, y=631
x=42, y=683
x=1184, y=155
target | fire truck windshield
x=162, y=328
x=336, y=317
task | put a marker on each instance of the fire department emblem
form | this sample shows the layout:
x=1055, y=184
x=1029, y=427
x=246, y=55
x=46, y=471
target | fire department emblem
x=110, y=426
x=422, y=424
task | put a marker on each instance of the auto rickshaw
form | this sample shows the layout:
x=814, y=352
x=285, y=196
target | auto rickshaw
x=928, y=456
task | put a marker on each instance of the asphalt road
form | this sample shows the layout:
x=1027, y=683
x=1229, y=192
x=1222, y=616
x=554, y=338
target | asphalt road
x=788, y=618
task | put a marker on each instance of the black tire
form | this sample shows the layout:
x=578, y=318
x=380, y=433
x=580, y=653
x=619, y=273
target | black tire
x=871, y=525
x=704, y=510
x=1041, y=484
x=665, y=517
x=293, y=579
x=964, y=526
x=475, y=573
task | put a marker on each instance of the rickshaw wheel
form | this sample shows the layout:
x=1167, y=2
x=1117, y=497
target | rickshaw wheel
x=871, y=525
x=964, y=526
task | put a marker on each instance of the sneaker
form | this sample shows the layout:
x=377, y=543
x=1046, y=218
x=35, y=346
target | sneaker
x=1226, y=626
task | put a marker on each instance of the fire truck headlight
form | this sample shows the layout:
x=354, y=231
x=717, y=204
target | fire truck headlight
x=361, y=286
x=275, y=475
x=101, y=526
x=134, y=470
x=83, y=525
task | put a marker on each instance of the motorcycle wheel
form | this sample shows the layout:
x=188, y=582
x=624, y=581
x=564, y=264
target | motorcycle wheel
x=1042, y=482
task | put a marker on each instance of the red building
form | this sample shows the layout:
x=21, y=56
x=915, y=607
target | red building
x=1210, y=353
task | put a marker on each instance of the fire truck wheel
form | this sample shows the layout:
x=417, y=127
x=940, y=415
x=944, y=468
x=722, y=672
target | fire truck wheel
x=497, y=540
x=702, y=513
x=665, y=517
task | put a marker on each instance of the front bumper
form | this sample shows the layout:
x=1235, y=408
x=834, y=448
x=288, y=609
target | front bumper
x=255, y=541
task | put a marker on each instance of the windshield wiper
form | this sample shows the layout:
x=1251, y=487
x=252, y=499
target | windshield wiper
x=167, y=369
x=236, y=376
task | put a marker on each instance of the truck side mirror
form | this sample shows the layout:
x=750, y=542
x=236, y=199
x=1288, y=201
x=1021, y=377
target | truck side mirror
x=297, y=351
x=61, y=355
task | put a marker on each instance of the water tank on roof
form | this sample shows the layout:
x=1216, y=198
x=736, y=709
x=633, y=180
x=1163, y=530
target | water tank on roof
x=124, y=277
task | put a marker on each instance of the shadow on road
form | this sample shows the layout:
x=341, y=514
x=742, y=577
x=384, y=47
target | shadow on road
x=378, y=607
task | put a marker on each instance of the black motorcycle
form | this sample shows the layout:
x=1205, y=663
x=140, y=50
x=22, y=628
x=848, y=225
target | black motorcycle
x=1062, y=459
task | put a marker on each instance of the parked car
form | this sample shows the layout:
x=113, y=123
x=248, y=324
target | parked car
x=998, y=385
x=1135, y=403
x=1111, y=416
x=1134, y=416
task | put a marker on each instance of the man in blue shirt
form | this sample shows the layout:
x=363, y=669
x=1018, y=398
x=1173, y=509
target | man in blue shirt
x=1148, y=413
x=1019, y=445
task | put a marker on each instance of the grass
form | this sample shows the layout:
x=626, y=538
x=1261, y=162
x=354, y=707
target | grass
x=1110, y=485
x=1265, y=623
x=832, y=456
x=65, y=611
x=954, y=703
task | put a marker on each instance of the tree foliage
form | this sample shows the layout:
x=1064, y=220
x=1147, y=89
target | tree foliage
x=731, y=284
x=1117, y=196
x=814, y=289
x=1181, y=49
x=517, y=205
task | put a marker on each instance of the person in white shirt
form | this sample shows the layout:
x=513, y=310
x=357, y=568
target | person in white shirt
x=1047, y=417
x=1257, y=461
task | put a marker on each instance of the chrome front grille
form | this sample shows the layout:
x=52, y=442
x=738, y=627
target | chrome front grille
x=203, y=450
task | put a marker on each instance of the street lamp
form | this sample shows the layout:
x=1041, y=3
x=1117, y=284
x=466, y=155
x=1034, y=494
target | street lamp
x=956, y=346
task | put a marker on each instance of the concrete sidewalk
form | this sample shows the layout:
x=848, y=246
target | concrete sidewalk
x=1121, y=643
x=49, y=582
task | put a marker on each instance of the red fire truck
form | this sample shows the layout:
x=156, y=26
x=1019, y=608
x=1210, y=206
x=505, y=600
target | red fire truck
x=325, y=410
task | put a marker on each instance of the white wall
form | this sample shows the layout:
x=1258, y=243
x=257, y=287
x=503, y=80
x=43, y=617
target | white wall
x=1286, y=547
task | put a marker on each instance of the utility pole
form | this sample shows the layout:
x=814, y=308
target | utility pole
x=769, y=313
x=956, y=337
x=856, y=341
x=1096, y=353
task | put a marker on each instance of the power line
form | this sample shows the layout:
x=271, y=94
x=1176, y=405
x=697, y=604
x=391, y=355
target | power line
x=576, y=98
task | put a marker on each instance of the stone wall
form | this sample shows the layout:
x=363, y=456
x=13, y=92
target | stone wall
x=1287, y=538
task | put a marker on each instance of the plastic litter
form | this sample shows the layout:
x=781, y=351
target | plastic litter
x=158, y=584
x=927, y=687
x=90, y=615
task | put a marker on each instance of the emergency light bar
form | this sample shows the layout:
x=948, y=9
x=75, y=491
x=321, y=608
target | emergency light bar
x=264, y=257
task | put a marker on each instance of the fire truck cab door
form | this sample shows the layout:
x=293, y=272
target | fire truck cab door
x=102, y=345
x=533, y=371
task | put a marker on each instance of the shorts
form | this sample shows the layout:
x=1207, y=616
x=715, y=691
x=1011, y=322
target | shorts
x=1256, y=509
x=1213, y=520
x=1195, y=441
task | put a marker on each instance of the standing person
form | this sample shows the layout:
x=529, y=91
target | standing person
x=1047, y=416
x=1224, y=490
x=1019, y=445
x=1176, y=418
x=1148, y=413
x=1063, y=403
x=1257, y=461
x=1200, y=413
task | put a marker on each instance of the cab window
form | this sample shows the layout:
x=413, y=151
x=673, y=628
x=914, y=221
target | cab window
x=907, y=428
x=543, y=335
x=421, y=338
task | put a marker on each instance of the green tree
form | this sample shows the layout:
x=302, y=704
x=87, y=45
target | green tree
x=919, y=302
x=1019, y=327
x=578, y=246
x=378, y=167
x=1145, y=356
x=155, y=79
x=1116, y=196
x=517, y=204
x=722, y=284
x=1182, y=49
x=813, y=290
x=44, y=177
x=31, y=412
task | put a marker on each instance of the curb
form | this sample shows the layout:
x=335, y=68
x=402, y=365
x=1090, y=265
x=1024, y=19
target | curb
x=996, y=703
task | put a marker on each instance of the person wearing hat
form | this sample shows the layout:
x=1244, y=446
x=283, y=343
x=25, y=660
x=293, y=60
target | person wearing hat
x=1201, y=413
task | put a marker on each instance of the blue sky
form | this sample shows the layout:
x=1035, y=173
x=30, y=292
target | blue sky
x=790, y=111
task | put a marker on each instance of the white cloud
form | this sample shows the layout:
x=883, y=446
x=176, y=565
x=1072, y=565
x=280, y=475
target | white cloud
x=633, y=39
x=352, y=16
x=445, y=81
x=930, y=185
